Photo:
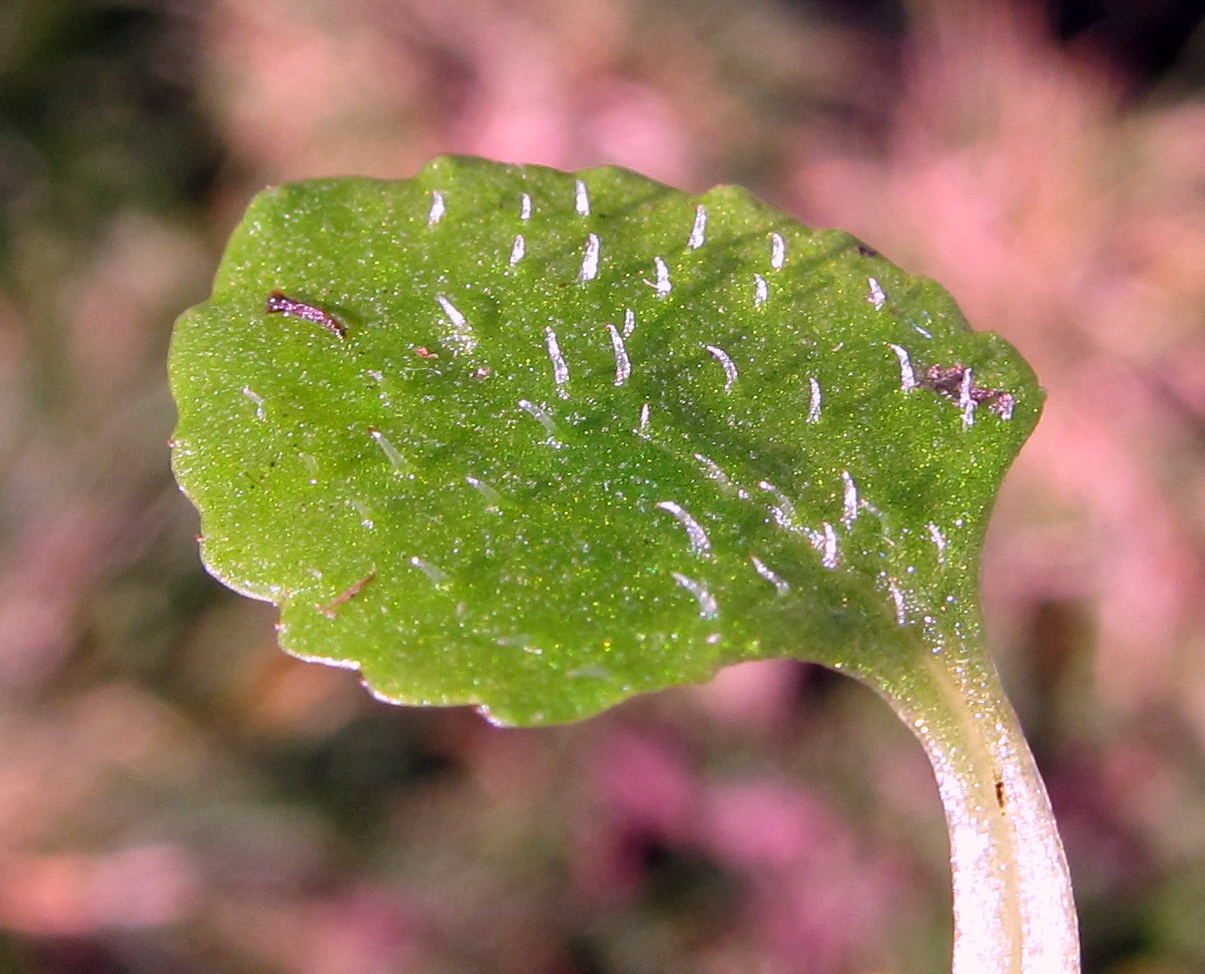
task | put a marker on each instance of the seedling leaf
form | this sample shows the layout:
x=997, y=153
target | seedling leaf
x=539, y=441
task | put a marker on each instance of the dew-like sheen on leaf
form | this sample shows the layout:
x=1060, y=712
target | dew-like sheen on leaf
x=540, y=441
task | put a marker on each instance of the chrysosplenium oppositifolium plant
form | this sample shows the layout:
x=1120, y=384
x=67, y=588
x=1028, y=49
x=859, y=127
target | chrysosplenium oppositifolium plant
x=538, y=441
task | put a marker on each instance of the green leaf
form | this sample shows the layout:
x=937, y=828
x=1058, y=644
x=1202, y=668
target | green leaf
x=540, y=441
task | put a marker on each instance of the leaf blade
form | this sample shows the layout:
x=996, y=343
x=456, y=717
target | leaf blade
x=659, y=435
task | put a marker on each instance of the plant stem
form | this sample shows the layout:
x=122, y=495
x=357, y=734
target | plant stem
x=1013, y=909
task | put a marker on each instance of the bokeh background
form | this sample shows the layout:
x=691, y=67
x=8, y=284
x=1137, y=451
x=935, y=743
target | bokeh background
x=178, y=795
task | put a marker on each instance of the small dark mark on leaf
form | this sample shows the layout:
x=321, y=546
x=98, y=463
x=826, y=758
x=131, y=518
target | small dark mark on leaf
x=280, y=303
x=999, y=792
x=948, y=381
x=331, y=609
x=866, y=251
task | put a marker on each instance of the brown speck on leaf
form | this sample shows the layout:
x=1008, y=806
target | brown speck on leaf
x=331, y=609
x=948, y=380
x=281, y=304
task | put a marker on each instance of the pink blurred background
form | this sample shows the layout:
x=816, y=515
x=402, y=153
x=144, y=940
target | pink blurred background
x=176, y=794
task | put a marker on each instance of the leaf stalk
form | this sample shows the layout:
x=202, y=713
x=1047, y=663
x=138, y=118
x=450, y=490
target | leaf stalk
x=1013, y=907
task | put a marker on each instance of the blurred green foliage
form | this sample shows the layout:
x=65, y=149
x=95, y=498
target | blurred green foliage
x=100, y=115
